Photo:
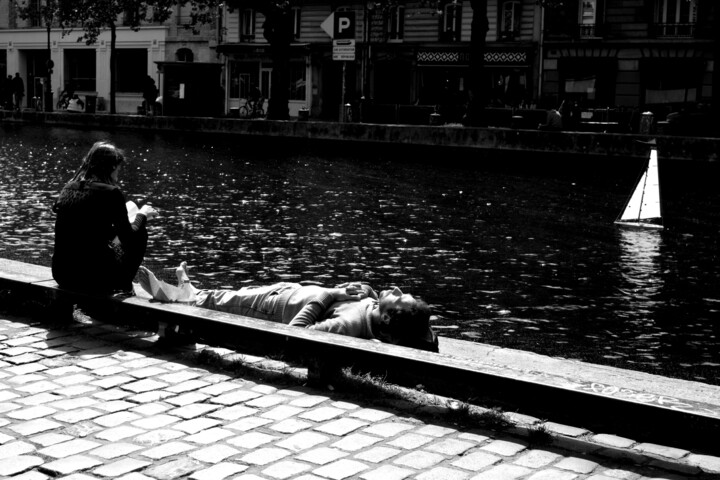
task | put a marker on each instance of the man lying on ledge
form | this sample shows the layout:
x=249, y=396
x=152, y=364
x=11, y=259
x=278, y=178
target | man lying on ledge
x=351, y=309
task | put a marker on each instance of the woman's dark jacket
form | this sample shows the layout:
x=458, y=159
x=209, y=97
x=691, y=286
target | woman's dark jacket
x=97, y=249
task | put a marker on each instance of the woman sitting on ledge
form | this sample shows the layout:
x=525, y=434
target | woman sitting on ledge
x=98, y=249
x=351, y=309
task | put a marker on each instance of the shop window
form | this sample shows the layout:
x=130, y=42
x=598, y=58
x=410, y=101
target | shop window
x=298, y=81
x=247, y=25
x=395, y=27
x=588, y=81
x=510, y=20
x=676, y=18
x=508, y=88
x=80, y=68
x=130, y=69
x=3, y=64
x=240, y=79
x=450, y=22
x=35, y=18
x=674, y=81
x=184, y=55
x=131, y=17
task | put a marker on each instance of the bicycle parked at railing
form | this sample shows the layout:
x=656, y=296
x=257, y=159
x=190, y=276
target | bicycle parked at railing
x=253, y=108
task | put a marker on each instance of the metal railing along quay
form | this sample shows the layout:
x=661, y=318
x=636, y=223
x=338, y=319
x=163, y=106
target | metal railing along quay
x=466, y=139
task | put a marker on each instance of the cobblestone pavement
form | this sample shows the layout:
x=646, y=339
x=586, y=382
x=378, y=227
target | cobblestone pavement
x=91, y=401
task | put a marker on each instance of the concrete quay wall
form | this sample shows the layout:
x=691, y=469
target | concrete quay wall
x=603, y=145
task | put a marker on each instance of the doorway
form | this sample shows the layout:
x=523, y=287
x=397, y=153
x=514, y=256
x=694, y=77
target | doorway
x=265, y=82
x=36, y=76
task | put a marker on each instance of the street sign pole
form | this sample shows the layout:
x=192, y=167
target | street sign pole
x=342, y=104
x=340, y=26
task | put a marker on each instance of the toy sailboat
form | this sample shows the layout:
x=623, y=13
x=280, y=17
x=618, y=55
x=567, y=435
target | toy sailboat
x=643, y=208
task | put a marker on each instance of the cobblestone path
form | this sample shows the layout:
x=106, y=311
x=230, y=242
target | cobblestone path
x=94, y=401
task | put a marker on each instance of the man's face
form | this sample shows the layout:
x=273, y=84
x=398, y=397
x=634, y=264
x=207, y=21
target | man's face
x=395, y=298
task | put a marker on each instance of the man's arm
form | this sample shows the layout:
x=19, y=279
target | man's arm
x=316, y=308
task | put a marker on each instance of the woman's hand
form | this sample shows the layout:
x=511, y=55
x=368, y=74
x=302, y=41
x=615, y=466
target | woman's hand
x=149, y=211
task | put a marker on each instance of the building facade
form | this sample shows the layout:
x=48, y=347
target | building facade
x=629, y=53
x=396, y=60
x=26, y=45
x=405, y=54
x=599, y=54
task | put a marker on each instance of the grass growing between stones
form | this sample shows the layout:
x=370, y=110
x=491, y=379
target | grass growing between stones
x=539, y=435
x=265, y=369
x=357, y=386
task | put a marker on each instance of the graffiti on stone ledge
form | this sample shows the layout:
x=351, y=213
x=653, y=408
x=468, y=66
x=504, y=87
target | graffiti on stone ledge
x=648, y=398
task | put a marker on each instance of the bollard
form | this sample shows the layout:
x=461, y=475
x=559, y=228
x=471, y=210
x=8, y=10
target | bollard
x=647, y=123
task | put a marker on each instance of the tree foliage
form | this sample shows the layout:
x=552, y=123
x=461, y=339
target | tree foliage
x=716, y=67
x=45, y=13
x=478, y=33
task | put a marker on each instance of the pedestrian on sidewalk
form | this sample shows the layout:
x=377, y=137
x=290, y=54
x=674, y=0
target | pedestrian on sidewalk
x=150, y=93
x=98, y=249
x=18, y=90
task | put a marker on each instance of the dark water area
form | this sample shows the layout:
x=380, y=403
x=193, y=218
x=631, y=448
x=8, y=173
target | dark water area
x=508, y=249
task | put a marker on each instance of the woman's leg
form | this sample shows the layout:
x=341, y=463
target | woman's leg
x=255, y=302
x=129, y=258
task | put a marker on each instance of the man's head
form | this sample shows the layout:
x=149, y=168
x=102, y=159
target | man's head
x=405, y=320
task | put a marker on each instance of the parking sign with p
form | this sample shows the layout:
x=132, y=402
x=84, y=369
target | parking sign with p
x=344, y=25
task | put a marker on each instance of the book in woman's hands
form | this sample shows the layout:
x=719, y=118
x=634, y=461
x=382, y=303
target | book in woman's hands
x=132, y=209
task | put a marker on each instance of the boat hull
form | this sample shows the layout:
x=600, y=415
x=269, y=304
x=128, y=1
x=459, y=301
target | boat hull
x=656, y=226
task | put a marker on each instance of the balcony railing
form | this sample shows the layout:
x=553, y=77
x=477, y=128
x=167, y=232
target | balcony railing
x=675, y=30
x=575, y=31
x=587, y=30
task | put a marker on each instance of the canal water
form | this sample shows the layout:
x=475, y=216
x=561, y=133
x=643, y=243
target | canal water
x=509, y=250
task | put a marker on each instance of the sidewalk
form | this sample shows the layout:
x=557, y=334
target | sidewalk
x=90, y=401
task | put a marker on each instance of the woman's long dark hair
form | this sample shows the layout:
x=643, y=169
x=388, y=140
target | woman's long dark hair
x=100, y=161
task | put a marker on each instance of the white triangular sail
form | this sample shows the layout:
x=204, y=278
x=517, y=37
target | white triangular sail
x=643, y=209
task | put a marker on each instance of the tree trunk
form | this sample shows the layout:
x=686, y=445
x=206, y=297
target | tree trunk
x=278, y=32
x=113, y=37
x=716, y=67
x=477, y=91
x=48, y=93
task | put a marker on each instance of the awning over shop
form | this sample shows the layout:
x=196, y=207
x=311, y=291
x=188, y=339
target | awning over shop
x=256, y=48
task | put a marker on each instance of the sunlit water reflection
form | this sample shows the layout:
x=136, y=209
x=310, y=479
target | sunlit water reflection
x=505, y=252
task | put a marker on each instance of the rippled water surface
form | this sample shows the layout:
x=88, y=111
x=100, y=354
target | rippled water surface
x=520, y=253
